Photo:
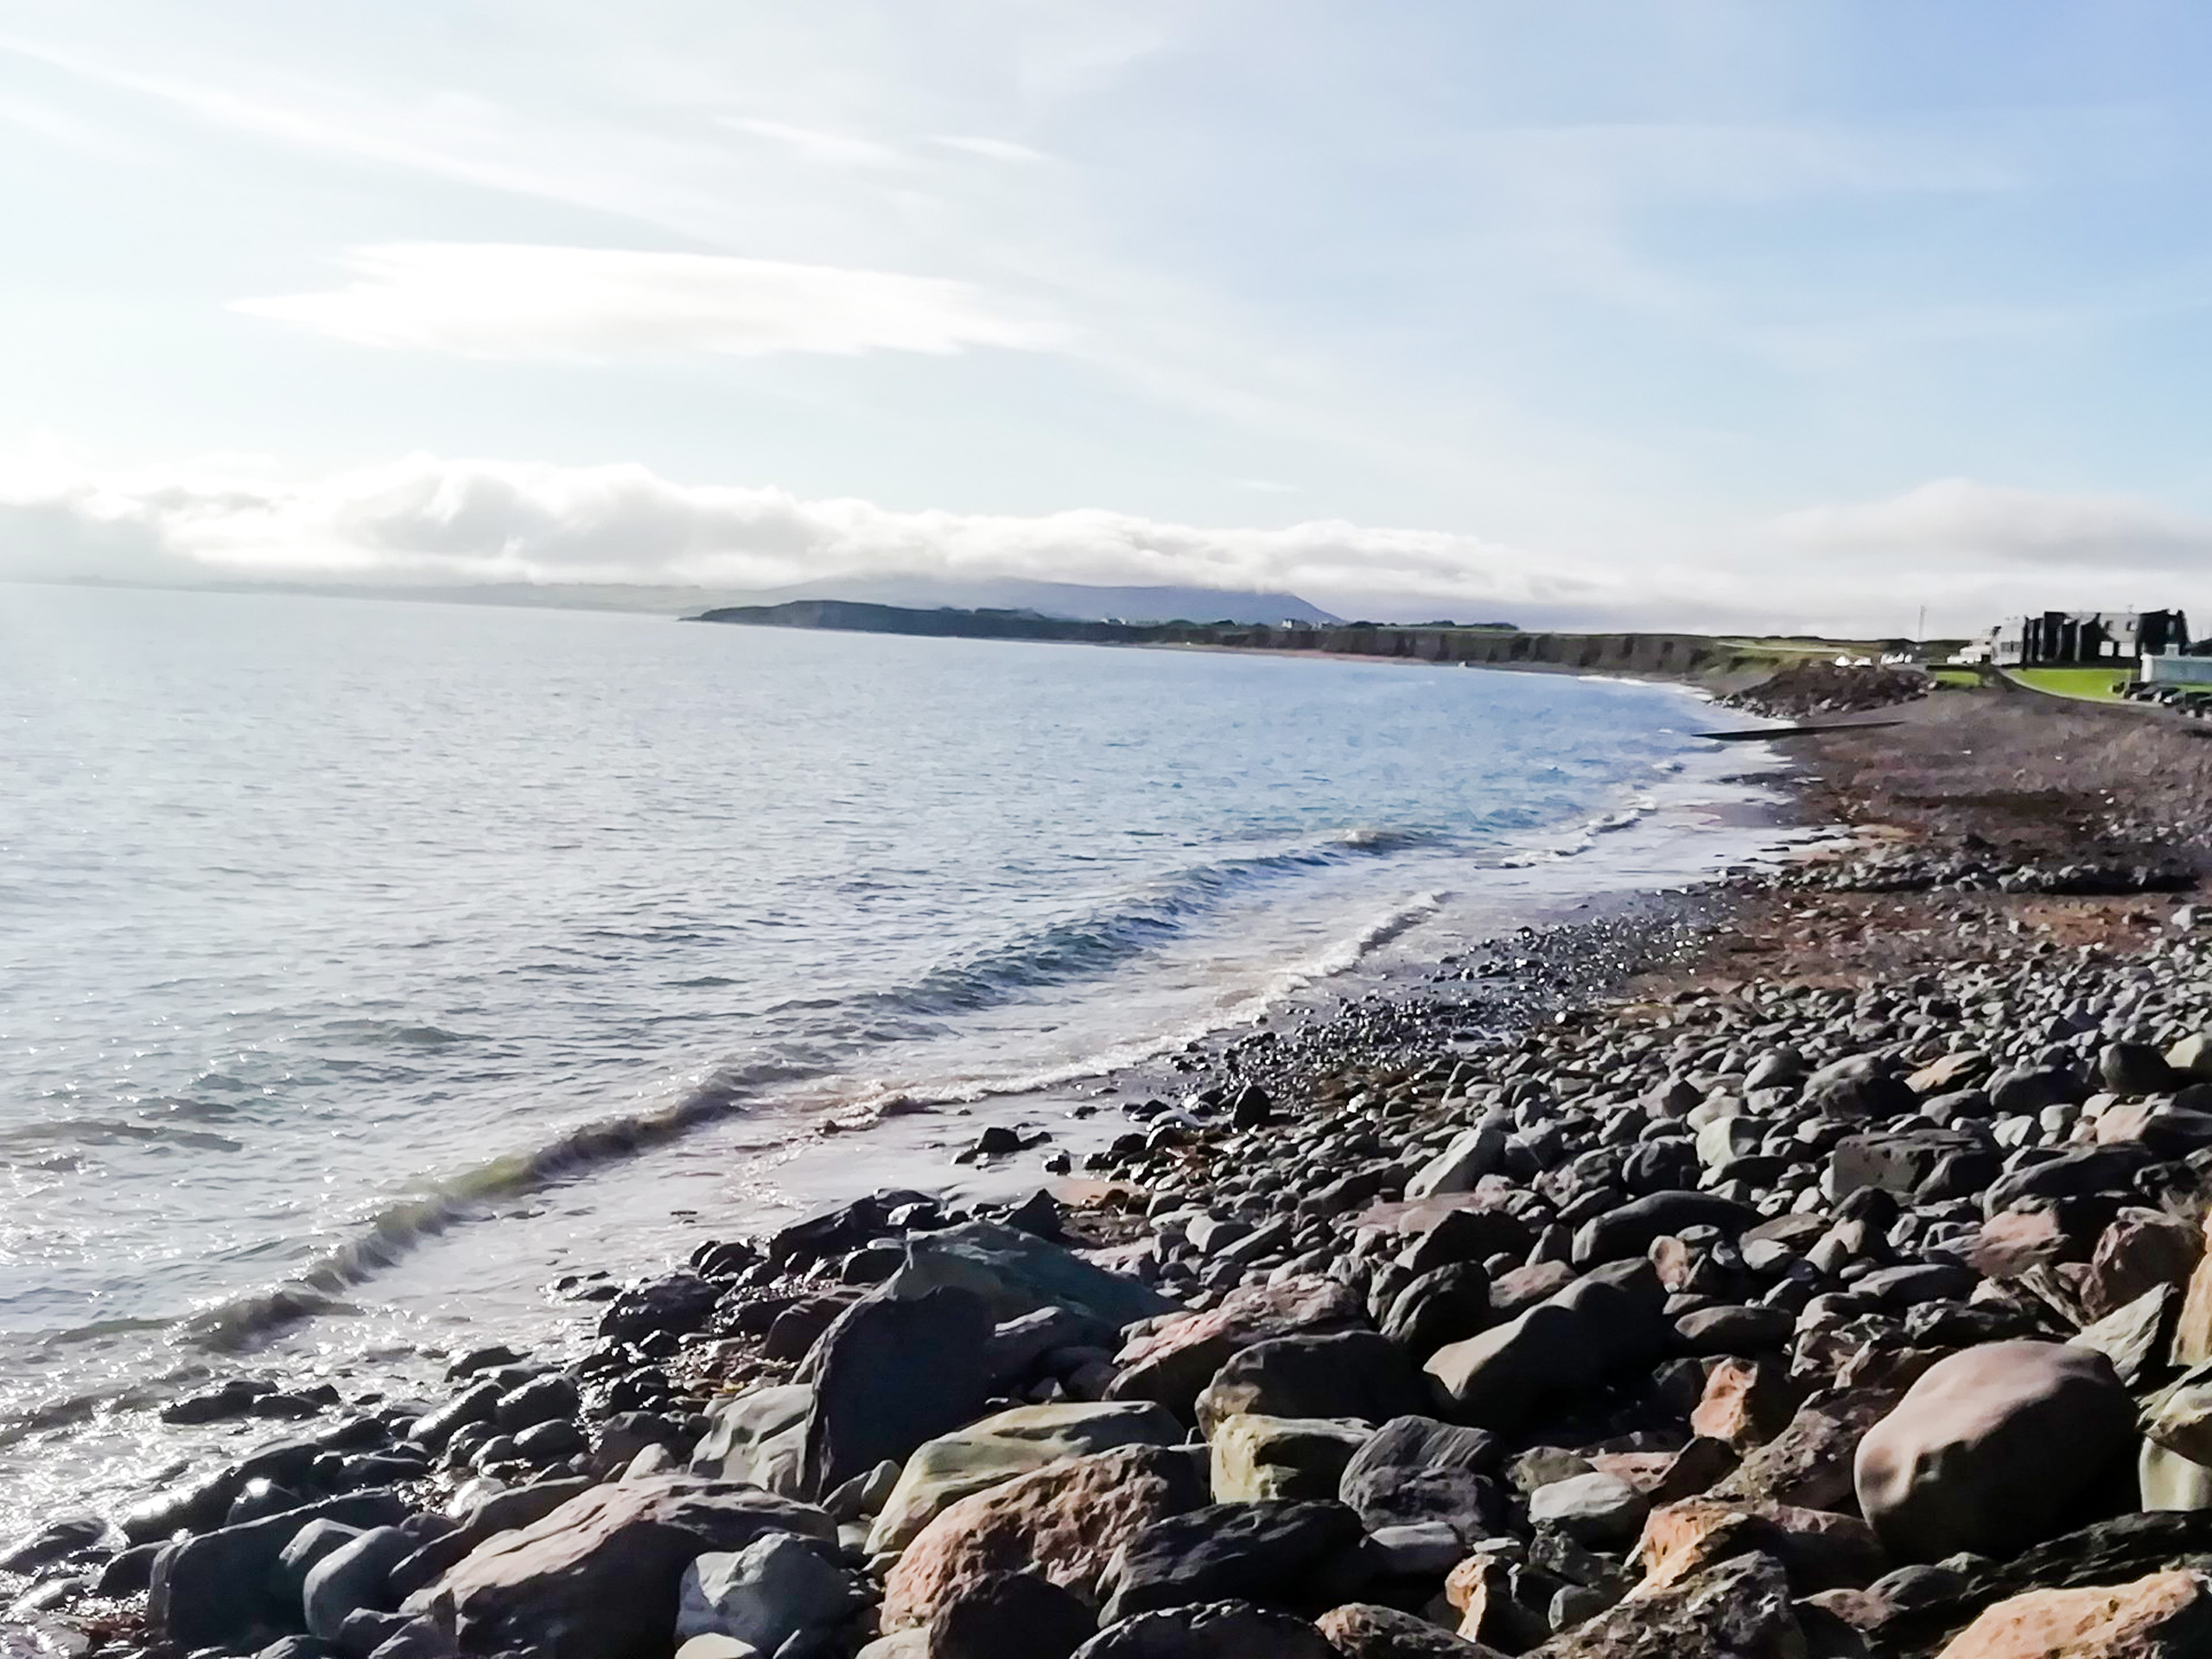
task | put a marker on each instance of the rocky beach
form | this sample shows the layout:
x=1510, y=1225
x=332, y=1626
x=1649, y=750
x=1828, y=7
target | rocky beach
x=1811, y=1265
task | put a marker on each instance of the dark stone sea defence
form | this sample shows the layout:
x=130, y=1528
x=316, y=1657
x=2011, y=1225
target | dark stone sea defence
x=1698, y=1310
x=1672, y=655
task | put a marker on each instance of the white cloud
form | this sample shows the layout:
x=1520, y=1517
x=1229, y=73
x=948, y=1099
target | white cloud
x=1958, y=520
x=425, y=519
x=509, y=300
x=1965, y=552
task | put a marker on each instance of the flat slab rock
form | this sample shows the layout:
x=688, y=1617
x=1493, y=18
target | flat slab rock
x=2164, y=1616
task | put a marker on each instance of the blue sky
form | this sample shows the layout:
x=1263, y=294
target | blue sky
x=1775, y=314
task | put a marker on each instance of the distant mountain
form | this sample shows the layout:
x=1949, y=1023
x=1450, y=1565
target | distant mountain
x=1074, y=601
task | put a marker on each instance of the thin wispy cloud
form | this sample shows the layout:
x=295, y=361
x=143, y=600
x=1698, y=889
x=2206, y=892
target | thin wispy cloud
x=500, y=300
x=831, y=149
x=991, y=150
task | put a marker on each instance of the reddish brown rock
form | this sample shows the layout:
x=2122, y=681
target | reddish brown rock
x=1808, y=1465
x=1993, y=1450
x=2193, y=1331
x=2011, y=1244
x=1065, y=1523
x=2140, y=1251
x=1746, y=1404
x=1742, y=1609
x=1820, y=1550
x=1179, y=1357
x=2165, y=1616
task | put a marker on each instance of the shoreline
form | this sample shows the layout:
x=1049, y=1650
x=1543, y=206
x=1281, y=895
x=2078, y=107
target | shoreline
x=88, y=1438
x=1245, y=1208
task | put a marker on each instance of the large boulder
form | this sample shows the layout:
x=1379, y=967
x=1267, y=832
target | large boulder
x=1067, y=1522
x=1858, y=1085
x=1899, y=1163
x=1175, y=1357
x=892, y=1372
x=1741, y=1609
x=210, y=1590
x=2086, y=1172
x=1629, y=1230
x=1447, y=1304
x=2165, y=1616
x=601, y=1576
x=1415, y=1469
x=1256, y=1457
x=1278, y=1554
x=1005, y=1614
x=1470, y=1156
x=1364, y=1630
x=1012, y=1443
x=779, y=1586
x=1994, y=1448
x=352, y=1577
x=1221, y=1629
x=1353, y=1374
x=758, y=1439
x=1017, y=1273
x=1819, y=1550
x=1609, y=1320
x=2141, y=1250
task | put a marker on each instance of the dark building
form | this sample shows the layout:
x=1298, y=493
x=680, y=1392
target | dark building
x=2086, y=638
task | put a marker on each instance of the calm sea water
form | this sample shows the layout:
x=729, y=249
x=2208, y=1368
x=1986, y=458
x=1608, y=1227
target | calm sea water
x=381, y=959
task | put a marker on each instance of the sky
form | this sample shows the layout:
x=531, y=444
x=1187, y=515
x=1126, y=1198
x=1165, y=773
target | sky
x=1776, y=314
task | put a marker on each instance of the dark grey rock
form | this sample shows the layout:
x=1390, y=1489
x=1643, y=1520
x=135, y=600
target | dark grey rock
x=1449, y=1304
x=1223, y=1629
x=1009, y=1616
x=1415, y=1469
x=542, y=1400
x=677, y=1303
x=894, y=1373
x=1607, y=1320
x=288, y=1582
x=352, y=1577
x=212, y=1589
x=1278, y=1554
x=1630, y=1230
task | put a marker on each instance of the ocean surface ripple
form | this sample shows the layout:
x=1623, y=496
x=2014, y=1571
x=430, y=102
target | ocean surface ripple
x=333, y=929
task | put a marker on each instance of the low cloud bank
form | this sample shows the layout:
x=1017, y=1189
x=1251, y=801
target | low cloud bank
x=1968, y=552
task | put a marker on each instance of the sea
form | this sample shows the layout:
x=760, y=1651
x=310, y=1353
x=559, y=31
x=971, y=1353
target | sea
x=367, y=967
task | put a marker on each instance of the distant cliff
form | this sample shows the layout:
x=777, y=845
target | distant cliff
x=1663, y=655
